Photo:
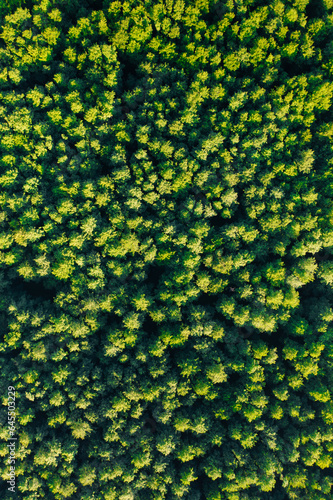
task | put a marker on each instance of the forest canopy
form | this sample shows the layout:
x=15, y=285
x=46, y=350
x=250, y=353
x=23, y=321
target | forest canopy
x=166, y=272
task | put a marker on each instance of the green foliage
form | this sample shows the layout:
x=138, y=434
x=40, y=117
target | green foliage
x=165, y=248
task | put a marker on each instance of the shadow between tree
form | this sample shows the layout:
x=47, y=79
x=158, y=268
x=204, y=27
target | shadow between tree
x=34, y=289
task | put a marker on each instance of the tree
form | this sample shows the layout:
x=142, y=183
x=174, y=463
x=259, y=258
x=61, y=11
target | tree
x=162, y=210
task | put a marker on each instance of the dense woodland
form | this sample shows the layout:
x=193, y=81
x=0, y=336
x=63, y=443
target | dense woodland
x=166, y=273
